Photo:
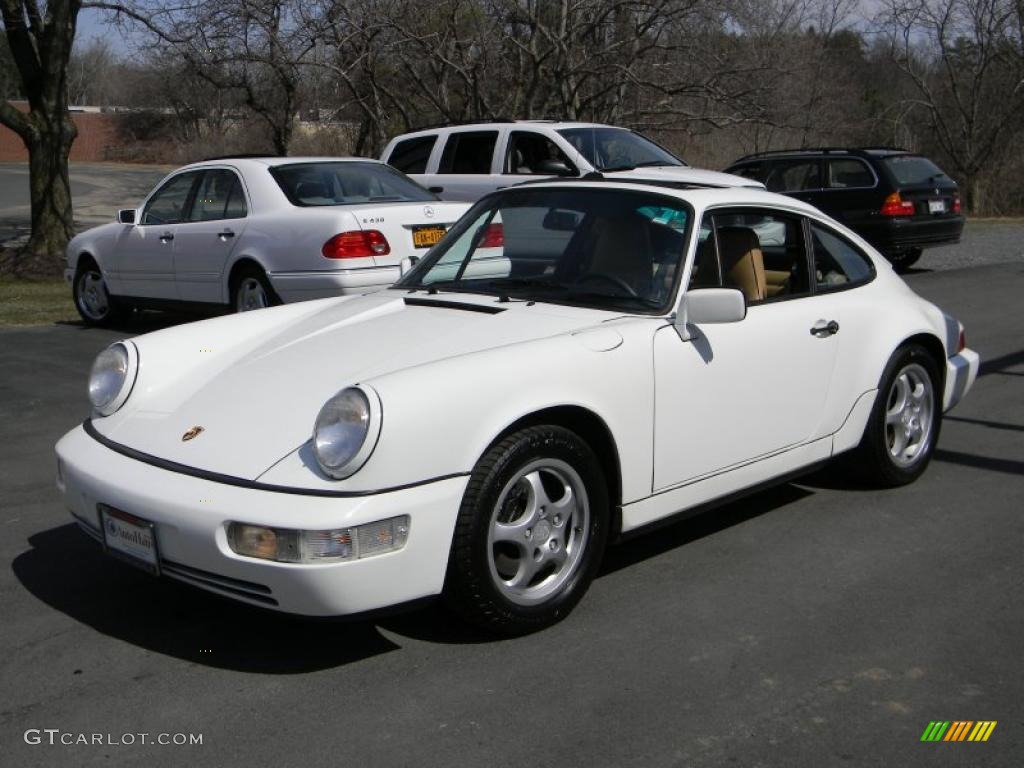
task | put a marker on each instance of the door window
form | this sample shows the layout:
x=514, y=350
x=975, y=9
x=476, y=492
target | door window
x=469, y=152
x=760, y=253
x=531, y=153
x=167, y=206
x=843, y=174
x=837, y=263
x=219, y=196
x=411, y=155
x=794, y=175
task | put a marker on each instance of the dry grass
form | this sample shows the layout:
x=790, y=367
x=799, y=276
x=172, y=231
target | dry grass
x=31, y=302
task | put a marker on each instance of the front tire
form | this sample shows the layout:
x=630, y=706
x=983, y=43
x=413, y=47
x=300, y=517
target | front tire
x=92, y=299
x=530, y=532
x=250, y=289
x=905, y=421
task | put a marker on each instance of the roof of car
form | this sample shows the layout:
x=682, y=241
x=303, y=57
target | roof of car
x=503, y=122
x=855, y=151
x=700, y=196
x=273, y=160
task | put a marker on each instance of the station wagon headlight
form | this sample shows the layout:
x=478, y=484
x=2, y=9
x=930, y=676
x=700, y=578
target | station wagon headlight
x=346, y=431
x=112, y=377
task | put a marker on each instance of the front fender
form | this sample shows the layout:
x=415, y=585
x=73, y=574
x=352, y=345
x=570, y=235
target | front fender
x=439, y=418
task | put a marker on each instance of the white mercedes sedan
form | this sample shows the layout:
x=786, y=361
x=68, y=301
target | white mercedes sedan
x=249, y=232
x=575, y=361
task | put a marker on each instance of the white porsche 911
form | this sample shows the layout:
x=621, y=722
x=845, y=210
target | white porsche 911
x=574, y=361
x=249, y=232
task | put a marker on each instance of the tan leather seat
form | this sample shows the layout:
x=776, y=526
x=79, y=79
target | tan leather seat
x=622, y=248
x=742, y=262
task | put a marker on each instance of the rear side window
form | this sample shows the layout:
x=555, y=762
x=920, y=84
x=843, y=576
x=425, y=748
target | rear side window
x=411, y=155
x=468, y=152
x=912, y=170
x=849, y=172
x=219, y=190
x=794, y=175
x=837, y=263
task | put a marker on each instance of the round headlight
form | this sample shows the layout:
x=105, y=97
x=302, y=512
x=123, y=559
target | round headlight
x=112, y=376
x=346, y=431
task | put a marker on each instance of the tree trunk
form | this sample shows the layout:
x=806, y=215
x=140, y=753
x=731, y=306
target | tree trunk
x=50, y=193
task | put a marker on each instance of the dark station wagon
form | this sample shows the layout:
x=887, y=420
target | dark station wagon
x=898, y=201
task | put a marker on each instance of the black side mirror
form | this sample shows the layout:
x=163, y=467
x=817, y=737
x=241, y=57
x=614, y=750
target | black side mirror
x=126, y=216
x=555, y=168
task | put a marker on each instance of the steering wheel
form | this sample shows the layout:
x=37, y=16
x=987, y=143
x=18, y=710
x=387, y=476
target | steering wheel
x=613, y=279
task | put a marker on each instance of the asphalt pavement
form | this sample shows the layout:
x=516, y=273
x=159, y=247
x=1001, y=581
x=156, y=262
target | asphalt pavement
x=817, y=624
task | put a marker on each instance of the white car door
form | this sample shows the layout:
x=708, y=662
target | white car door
x=204, y=242
x=143, y=260
x=469, y=166
x=740, y=391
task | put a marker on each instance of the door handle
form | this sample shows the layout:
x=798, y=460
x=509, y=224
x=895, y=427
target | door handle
x=435, y=190
x=225, y=234
x=821, y=329
x=166, y=237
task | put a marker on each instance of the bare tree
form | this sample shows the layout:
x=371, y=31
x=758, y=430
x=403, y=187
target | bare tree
x=40, y=45
x=966, y=63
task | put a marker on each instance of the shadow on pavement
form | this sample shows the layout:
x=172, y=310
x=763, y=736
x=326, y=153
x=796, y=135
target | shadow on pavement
x=140, y=322
x=68, y=571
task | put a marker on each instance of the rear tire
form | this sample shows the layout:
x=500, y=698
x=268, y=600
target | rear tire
x=904, y=260
x=92, y=299
x=905, y=422
x=530, y=532
x=250, y=289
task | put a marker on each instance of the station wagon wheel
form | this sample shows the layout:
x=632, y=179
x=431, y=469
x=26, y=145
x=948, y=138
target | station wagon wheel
x=92, y=299
x=904, y=425
x=250, y=290
x=530, y=531
x=904, y=260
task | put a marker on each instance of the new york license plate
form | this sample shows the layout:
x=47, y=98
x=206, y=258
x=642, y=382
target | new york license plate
x=425, y=237
x=130, y=538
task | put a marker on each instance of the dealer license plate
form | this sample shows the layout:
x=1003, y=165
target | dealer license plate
x=936, y=206
x=130, y=538
x=425, y=237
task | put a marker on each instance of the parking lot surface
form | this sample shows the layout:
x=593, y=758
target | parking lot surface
x=816, y=624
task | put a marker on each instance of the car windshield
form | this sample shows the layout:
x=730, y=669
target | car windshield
x=606, y=248
x=609, y=149
x=346, y=183
x=909, y=170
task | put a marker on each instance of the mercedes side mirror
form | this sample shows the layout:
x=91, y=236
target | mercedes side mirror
x=709, y=305
x=126, y=216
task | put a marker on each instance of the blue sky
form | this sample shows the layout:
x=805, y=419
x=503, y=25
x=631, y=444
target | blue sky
x=92, y=24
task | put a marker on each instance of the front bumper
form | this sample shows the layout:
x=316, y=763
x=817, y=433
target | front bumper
x=302, y=286
x=191, y=515
x=961, y=371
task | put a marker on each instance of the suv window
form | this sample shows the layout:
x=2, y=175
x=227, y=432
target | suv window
x=755, y=171
x=531, y=153
x=837, y=262
x=849, y=172
x=167, y=206
x=911, y=170
x=411, y=155
x=761, y=253
x=468, y=152
x=217, y=190
x=794, y=175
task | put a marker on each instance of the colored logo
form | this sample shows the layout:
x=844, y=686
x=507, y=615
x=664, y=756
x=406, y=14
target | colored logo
x=193, y=432
x=958, y=730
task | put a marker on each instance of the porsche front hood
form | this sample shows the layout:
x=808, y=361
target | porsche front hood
x=256, y=382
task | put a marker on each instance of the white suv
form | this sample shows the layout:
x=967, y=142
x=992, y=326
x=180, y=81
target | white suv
x=466, y=162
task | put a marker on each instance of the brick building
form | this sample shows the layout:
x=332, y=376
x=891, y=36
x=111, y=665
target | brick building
x=97, y=134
